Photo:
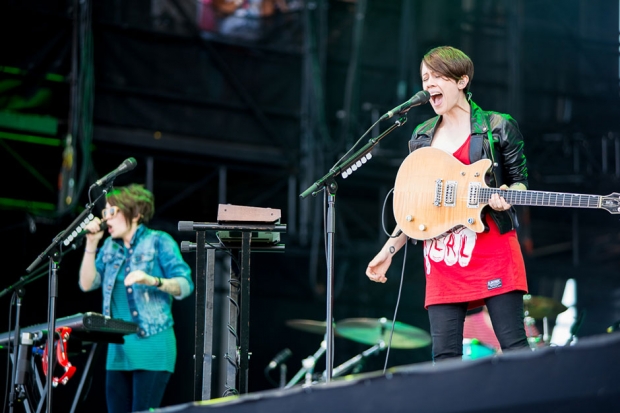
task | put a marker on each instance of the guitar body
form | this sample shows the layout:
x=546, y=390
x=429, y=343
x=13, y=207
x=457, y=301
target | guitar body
x=432, y=194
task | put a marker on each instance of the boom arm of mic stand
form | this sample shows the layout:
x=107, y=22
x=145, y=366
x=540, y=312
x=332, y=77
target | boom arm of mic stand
x=363, y=151
x=51, y=250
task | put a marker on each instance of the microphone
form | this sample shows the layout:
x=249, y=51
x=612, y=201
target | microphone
x=77, y=236
x=103, y=226
x=419, y=98
x=127, y=165
x=279, y=358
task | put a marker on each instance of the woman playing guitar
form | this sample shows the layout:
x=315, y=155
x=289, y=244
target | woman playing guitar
x=466, y=269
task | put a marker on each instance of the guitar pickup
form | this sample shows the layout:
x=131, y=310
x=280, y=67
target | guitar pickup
x=438, y=192
x=472, y=195
x=449, y=198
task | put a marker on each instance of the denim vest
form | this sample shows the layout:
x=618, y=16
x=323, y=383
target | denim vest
x=157, y=254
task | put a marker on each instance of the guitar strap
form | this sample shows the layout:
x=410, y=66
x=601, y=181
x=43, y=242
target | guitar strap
x=496, y=168
x=491, y=144
x=476, y=150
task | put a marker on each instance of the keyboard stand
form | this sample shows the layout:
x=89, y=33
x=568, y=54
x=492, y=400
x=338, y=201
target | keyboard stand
x=239, y=337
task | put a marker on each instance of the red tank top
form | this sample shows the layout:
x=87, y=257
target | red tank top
x=465, y=266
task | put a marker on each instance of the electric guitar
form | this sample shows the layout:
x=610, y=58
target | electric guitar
x=434, y=192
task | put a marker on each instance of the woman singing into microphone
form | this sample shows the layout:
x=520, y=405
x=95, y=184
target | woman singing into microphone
x=140, y=270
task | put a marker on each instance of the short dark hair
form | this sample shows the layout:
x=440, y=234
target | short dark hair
x=133, y=201
x=449, y=62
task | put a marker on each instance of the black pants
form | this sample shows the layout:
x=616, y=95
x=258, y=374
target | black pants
x=505, y=310
x=135, y=391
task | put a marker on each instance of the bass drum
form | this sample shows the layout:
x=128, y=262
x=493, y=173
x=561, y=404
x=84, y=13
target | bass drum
x=474, y=349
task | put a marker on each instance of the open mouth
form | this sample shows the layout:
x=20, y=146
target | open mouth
x=436, y=98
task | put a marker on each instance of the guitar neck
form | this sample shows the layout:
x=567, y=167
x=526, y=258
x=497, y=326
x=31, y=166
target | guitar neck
x=542, y=198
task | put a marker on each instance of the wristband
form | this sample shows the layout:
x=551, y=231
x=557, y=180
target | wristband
x=159, y=283
x=90, y=252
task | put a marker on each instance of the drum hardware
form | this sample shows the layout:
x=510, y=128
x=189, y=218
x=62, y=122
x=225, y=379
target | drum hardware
x=356, y=361
x=475, y=349
x=369, y=331
x=375, y=331
x=534, y=339
x=538, y=307
x=546, y=335
x=307, y=367
x=309, y=326
x=279, y=360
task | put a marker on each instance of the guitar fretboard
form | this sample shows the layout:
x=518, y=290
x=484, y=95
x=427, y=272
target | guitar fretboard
x=541, y=198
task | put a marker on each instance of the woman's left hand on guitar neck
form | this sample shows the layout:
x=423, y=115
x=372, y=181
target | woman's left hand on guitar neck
x=498, y=203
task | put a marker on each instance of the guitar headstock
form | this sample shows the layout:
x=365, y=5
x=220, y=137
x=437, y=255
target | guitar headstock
x=611, y=203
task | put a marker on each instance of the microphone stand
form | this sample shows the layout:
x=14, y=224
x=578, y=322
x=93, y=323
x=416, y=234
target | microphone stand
x=329, y=184
x=15, y=394
x=54, y=255
x=20, y=291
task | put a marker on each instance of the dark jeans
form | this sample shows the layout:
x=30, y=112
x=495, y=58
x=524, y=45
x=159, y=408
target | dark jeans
x=505, y=310
x=132, y=391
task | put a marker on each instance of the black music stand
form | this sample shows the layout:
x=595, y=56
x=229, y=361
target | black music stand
x=238, y=349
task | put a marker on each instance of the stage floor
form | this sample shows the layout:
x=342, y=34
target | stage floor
x=584, y=377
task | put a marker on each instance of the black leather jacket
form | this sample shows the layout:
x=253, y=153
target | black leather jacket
x=506, y=153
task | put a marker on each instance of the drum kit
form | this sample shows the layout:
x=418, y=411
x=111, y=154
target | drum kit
x=374, y=332
x=540, y=308
x=381, y=332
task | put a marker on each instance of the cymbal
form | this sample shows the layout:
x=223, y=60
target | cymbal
x=310, y=326
x=374, y=330
x=540, y=307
